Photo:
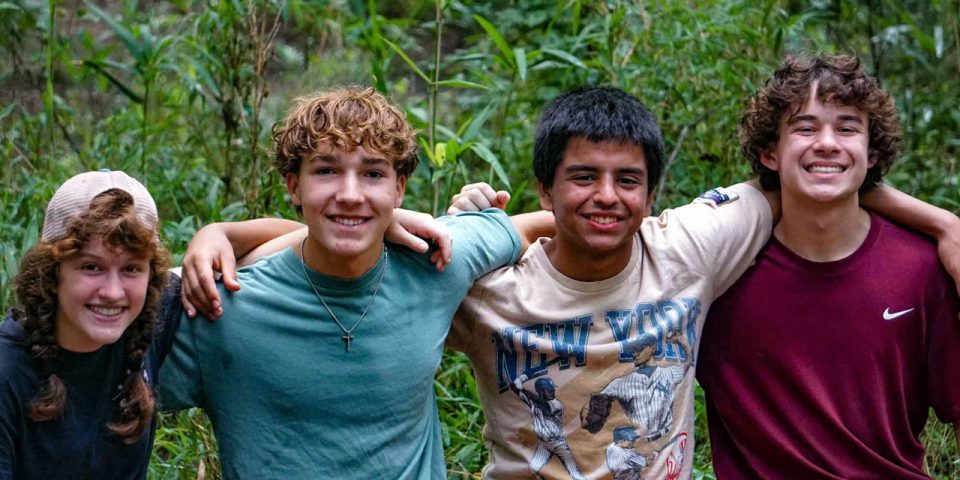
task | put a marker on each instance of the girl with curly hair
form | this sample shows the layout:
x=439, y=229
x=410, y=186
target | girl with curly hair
x=78, y=358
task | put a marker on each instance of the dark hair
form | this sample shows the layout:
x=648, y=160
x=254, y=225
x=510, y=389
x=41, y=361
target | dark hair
x=112, y=218
x=596, y=114
x=841, y=80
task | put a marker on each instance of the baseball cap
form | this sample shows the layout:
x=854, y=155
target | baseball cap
x=75, y=195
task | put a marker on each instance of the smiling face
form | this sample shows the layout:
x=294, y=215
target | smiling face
x=100, y=292
x=599, y=197
x=822, y=154
x=347, y=199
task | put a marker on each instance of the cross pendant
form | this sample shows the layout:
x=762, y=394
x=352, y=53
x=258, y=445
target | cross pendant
x=346, y=339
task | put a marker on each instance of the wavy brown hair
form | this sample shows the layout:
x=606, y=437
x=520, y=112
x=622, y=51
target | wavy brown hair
x=840, y=79
x=112, y=218
x=345, y=118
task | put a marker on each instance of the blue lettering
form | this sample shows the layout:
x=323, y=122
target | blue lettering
x=507, y=359
x=530, y=346
x=669, y=316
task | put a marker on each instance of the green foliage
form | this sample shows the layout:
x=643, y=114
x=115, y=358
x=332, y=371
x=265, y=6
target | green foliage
x=182, y=94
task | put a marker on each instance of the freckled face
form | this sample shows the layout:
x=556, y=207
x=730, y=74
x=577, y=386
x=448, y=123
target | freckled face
x=100, y=293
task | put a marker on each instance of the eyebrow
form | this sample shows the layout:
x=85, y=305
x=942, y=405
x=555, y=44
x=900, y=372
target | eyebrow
x=811, y=118
x=585, y=168
x=333, y=159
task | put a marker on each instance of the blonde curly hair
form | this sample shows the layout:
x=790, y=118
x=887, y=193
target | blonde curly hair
x=345, y=118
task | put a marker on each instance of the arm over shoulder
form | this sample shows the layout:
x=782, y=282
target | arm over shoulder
x=483, y=241
x=718, y=235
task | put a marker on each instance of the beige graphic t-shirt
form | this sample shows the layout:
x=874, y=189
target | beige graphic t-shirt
x=595, y=379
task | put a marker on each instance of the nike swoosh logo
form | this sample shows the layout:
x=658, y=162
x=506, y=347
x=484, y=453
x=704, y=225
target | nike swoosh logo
x=890, y=316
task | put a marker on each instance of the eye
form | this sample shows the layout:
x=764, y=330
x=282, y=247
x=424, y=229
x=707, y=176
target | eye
x=324, y=171
x=848, y=130
x=629, y=181
x=583, y=177
x=376, y=174
x=805, y=130
x=89, y=267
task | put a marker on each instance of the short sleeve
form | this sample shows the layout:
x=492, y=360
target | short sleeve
x=943, y=363
x=482, y=241
x=718, y=235
x=179, y=378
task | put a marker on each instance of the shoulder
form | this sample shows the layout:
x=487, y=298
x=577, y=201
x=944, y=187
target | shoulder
x=904, y=242
x=488, y=222
x=265, y=276
x=17, y=367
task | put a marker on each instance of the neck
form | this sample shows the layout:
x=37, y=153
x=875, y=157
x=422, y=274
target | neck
x=822, y=232
x=340, y=266
x=586, y=266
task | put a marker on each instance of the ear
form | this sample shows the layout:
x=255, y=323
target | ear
x=401, y=187
x=872, y=159
x=648, y=209
x=293, y=188
x=769, y=160
x=546, y=198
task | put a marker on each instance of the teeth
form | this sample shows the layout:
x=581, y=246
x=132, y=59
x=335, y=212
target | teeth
x=603, y=220
x=350, y=222
x=825, y=169
x=106, y=311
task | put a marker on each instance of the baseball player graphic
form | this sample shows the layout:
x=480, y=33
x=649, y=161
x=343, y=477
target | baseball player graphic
x=646, y=394
x=622, y=460
x=547, y=414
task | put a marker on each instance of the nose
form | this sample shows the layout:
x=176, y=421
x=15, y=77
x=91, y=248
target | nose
x=112, y=288
x=349, y=191
x=826, y=141
x=606, y=191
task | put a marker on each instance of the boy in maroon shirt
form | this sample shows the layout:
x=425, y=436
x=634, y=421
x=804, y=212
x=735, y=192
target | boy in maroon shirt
x=823, y=360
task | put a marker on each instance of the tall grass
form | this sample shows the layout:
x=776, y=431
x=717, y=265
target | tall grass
x=181, y=94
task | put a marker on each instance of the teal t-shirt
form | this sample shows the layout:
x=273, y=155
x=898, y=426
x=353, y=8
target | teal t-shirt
x=285, y=398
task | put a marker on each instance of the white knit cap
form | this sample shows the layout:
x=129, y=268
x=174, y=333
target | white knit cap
x=75, y=195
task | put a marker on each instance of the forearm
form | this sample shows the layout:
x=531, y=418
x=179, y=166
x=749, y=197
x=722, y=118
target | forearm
x=247, y=235
x=531, y=226
x=910, y=212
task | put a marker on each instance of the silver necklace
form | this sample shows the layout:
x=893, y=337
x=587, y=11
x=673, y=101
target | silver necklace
x=347, y=337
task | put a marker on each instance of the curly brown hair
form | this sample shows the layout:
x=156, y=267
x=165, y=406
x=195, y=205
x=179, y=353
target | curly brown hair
x=112, y=218
x=840, y=79
x=346, y=118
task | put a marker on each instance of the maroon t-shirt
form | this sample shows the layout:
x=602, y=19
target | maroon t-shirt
x=828, y=370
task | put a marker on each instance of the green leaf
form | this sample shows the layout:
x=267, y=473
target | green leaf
x=521, y=58
x=440, y=153
x=9, y=6
x=497, y=39
x=461, y=84
x=486, y=155
x=7, y=110
x=426, y=148
x=134, y=47
x=136, y=98
x=31, y=233
x=472, y=127
x=407, y=59
x=565, y=56
x=452, y=151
